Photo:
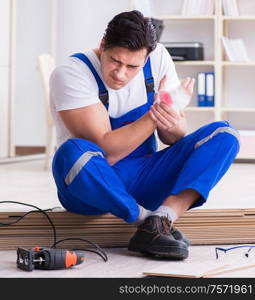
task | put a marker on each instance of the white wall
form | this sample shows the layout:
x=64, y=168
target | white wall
x=33, y=29
x=81, y=23
x=4, y=75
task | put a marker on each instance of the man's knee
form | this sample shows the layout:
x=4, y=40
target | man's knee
x=74, y=151
x=218, y=124
x=220, y=127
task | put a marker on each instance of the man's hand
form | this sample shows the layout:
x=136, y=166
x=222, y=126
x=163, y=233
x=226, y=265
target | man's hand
x=165, y=116
x=171, y=123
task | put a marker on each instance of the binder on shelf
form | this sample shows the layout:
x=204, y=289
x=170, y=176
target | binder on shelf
x=230, y=8
x=209, y=88
x=197, y=7
x=235, y=49
x=201, y=97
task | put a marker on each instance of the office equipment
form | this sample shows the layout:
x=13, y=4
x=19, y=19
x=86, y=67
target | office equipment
x=181, y=51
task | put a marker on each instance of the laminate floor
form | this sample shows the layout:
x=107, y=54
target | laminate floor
x=28, y=182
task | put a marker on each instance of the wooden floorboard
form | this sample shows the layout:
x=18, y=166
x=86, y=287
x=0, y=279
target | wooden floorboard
x=212, y=226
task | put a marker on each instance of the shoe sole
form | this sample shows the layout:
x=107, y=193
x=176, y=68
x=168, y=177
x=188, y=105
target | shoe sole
x=166, y=252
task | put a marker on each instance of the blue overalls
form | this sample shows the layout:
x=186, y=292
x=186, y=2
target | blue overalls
x=87, y=184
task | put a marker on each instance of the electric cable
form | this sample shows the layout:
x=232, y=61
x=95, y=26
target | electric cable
x=39, y=209
x=100, y=251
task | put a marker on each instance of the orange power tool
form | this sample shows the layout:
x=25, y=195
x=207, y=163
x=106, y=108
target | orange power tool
x=48, y=258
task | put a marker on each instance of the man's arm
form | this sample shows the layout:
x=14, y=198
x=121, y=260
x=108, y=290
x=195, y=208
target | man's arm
x=92, y=123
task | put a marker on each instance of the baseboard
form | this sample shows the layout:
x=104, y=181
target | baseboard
x=22, y=158
x=29, y=150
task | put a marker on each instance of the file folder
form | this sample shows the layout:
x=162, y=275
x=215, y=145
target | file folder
x=201, y=97
x=210, y=90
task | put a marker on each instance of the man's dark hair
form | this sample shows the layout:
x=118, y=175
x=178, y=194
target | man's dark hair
x=130, y=30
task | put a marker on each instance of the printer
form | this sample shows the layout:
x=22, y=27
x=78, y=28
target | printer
x=185, y=50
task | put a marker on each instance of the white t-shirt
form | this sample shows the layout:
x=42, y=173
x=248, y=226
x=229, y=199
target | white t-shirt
x=72, y=85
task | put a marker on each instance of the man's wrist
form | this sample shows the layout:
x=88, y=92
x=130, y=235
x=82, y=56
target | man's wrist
x=151, y=119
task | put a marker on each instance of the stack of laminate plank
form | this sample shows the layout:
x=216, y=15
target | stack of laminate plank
x=201, y=226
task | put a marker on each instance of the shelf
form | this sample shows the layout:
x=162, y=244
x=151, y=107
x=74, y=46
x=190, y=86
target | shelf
x=200, y=108
x=238, y=109
x=239, y=18
x=245, y=157
x=238, y=64
x=180, y=17
x=195, y=63
x=226, y=72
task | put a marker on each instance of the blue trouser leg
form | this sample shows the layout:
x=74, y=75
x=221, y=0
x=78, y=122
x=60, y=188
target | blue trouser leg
x=197, y=161
x=87, y=184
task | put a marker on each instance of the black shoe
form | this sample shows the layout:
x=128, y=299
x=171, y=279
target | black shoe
x=154, y=237
x=179, y=236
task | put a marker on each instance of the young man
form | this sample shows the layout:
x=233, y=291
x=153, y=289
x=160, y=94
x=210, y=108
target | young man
x=103, y=104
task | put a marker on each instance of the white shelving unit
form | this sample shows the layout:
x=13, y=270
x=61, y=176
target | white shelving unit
x=5, y=22
x=234, y=81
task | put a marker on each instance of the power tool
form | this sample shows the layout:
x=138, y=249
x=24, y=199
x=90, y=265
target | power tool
x=48, y=258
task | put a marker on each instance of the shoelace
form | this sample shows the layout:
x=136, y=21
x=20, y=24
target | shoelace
x=167, y=224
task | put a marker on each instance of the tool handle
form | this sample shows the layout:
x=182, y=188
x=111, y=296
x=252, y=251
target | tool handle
x=55, y=259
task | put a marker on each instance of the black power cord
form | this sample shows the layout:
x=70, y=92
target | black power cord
x=20, y=218
x=100, y=251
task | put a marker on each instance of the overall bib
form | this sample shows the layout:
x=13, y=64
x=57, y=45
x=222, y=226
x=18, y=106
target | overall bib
x=88, y=185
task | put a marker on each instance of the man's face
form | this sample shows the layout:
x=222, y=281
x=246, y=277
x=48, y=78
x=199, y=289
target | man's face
x=120, y=65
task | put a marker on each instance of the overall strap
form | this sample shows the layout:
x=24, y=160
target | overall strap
x=103, y=93
x=149, y=80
